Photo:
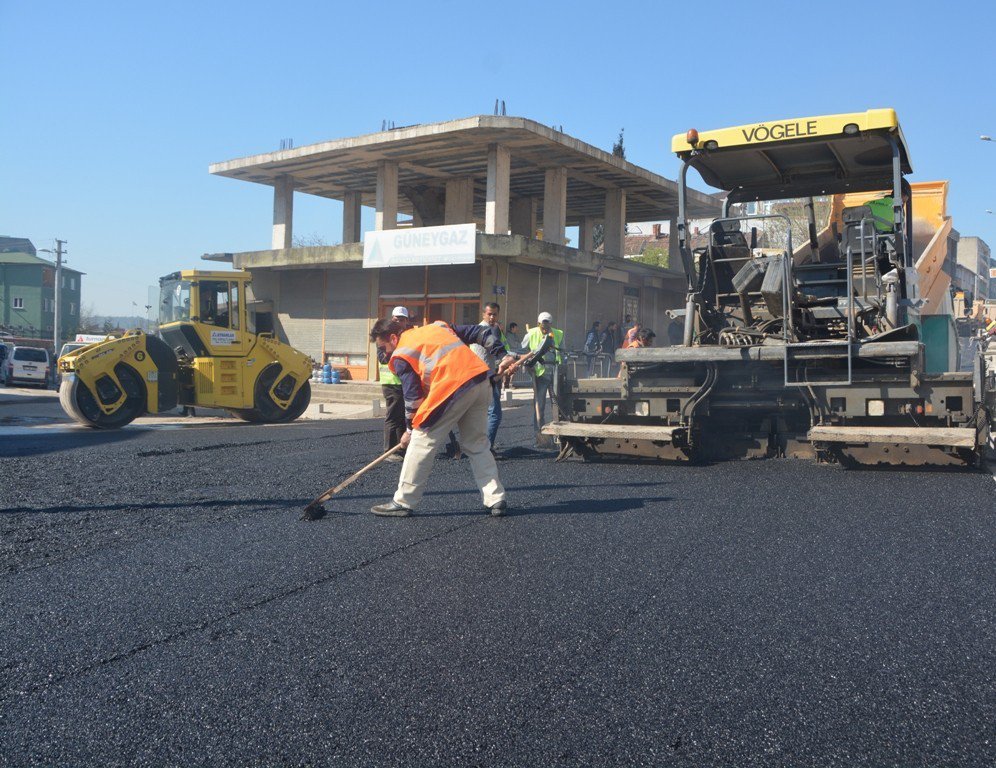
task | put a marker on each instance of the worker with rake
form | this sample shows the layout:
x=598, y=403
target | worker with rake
x=446, y=386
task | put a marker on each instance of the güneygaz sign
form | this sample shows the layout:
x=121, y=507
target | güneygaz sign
x=420, y=246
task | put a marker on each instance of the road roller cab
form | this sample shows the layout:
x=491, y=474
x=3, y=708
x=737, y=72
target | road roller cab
x=207, y=355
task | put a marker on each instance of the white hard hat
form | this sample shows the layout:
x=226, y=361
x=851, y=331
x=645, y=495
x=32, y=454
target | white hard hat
x=399, y=312
x=544, y=316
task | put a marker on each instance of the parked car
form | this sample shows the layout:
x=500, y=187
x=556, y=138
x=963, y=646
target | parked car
x=30, y=365
x=5, y=350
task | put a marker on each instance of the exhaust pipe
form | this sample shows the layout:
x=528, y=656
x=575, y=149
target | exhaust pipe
x=890, y=280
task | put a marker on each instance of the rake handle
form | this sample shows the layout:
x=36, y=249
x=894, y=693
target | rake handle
x=355, y=476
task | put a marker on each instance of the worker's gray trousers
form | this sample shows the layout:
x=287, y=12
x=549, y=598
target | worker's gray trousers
x=542, y=389
x=469, y=414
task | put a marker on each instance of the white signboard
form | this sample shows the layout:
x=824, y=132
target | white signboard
x=992, y=274
x=221, y=338
x=91, y=338
x=420, y=246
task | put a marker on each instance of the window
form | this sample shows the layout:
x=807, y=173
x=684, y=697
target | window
x=72, y=308
x=48, y=305
x=18, y=302
x=214, y=302
x=30, y=355
x=72, y=283
x=235, y=305
x=631, y=302
x=174, y=301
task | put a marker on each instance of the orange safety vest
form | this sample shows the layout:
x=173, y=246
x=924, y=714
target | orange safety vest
x=440, y=360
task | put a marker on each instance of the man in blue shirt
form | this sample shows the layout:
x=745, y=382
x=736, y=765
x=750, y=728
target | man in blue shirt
x=491, y=312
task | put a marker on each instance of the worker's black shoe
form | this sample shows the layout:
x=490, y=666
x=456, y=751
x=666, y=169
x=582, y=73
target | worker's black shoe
x=391, y=509
x=499, y=509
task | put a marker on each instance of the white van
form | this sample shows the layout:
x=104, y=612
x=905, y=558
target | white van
x=29, y=365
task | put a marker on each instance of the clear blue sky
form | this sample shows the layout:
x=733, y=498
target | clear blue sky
x=111, y=112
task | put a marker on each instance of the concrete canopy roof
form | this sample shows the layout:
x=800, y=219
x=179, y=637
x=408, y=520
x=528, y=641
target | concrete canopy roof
x=428, y=155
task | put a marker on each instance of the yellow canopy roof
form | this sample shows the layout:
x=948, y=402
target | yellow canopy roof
x=798, y=157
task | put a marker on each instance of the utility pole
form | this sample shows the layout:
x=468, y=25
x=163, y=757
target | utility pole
x=57, y=331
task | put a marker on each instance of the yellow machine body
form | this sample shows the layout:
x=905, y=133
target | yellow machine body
x=207, y=354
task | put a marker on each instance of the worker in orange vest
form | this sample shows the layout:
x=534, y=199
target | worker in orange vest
x=446, y=386
x=644, y=338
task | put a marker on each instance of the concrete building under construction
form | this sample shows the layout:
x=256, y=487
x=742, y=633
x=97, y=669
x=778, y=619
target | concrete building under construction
x=487, y=201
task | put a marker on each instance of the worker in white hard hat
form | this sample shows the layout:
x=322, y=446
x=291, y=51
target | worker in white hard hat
x=544, y=370
x=394, y=398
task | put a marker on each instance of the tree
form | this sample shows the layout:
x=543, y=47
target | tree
x=618, y=149
x=108, y=327
x=655, y=256
x=308, y=241
x=87, y=322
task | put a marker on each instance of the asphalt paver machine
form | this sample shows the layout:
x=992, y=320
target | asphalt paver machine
x=207, y=354
x=816, y=350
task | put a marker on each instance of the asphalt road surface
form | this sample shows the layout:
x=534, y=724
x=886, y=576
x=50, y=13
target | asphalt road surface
x=163, y=604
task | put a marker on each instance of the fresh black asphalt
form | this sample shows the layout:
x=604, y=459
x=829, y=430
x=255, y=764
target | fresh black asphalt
x=163, y=605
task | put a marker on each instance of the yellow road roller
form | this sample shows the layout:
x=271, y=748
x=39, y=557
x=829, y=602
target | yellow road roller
x=207, y=354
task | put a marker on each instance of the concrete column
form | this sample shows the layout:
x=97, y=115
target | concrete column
x=555, y=205
x=387, y=195
x=560, y=318
x=522, y=219
x=586, y=234
x=615, y=222
x=351, y=217
x=283, y=212
x=459, y=201
x=496, y=205
x=673, y=251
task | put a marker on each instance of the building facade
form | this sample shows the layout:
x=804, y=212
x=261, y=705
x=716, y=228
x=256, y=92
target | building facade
x=27, y=296
x=533, y=196
x=973, y=267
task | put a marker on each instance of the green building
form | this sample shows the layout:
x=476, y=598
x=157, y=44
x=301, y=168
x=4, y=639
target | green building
x=27, y=292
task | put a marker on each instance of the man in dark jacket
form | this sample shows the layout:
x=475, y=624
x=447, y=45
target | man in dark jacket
x=610, y=342
x=593, y=345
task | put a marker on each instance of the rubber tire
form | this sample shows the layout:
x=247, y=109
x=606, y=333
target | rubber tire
x=298, y=405
x=266, y=410
x=78, y=401
x=264, y=405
